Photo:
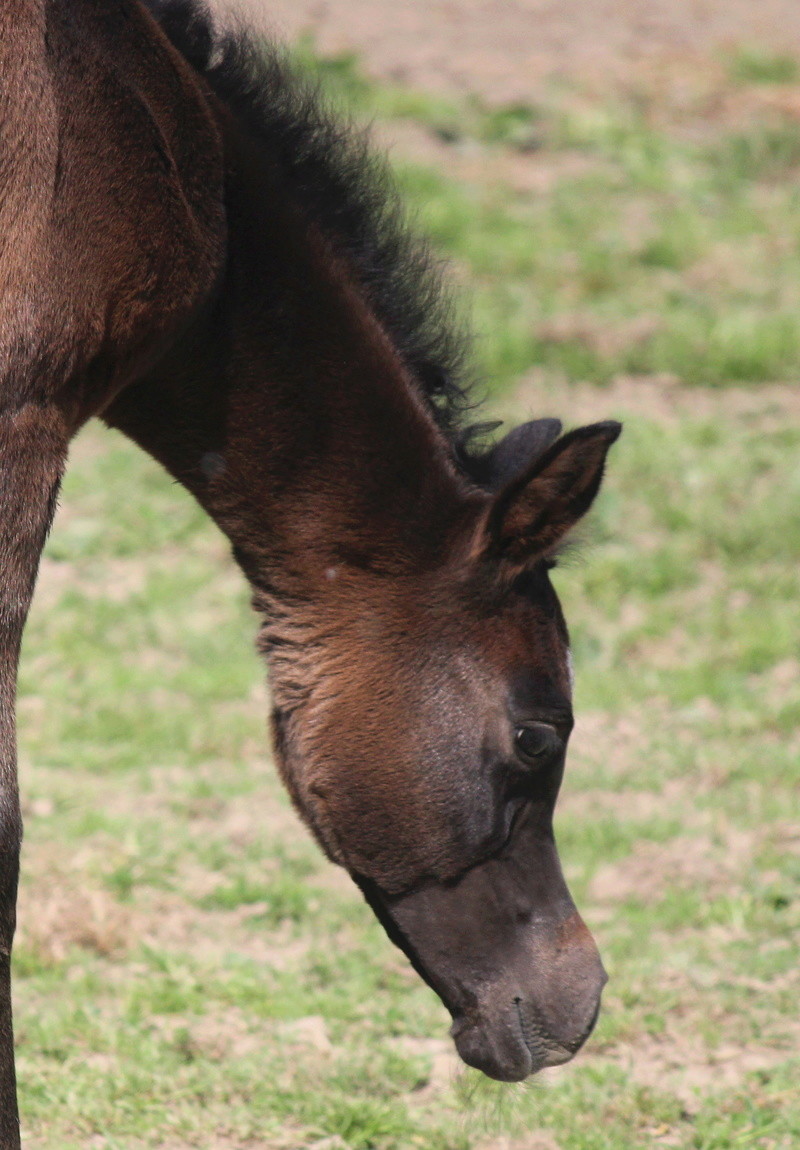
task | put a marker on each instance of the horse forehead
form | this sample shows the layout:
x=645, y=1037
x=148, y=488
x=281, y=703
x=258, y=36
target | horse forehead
x=448, y=645
x=524, y=634
x=468, y=664
x=527, y=653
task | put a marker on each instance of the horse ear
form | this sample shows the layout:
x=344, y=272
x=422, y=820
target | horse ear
x=517, y=450
x=535, y=511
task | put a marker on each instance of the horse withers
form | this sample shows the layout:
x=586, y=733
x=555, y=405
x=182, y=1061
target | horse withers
x=194, y=250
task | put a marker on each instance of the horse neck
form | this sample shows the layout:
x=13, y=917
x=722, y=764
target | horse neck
x=289, y=415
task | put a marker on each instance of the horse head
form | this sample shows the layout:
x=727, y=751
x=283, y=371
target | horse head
x=426, y=749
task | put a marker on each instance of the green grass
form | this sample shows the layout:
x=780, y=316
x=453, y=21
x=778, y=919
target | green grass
x=190, y=972
x=648, y=250
x=757, y=66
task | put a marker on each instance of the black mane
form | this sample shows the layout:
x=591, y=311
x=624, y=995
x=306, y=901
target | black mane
x=347, y=189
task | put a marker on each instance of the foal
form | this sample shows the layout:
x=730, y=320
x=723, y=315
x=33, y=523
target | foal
x=193, y=251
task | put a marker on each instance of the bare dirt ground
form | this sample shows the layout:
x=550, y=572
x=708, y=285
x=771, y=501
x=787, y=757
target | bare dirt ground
x=506, y=49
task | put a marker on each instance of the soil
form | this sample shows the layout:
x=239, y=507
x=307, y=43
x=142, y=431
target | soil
x=506, y=50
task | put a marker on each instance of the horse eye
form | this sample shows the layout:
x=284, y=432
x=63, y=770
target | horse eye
x=535, y=743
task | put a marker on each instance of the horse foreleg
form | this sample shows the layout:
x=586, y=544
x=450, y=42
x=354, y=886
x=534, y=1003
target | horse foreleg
x=33, y=444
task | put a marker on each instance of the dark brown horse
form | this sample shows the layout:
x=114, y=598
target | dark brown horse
x=193, y=251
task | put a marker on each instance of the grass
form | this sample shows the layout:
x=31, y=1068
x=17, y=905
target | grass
x=599, y=240
x=190, y=972
x=758, y=66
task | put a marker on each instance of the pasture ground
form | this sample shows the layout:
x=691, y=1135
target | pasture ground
x=506, y=50
x=189, y=971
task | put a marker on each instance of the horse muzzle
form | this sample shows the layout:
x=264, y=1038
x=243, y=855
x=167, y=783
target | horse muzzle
x=508, y=954
x=511, y=1038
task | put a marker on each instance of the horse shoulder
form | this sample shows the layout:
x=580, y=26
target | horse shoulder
x=111, y=197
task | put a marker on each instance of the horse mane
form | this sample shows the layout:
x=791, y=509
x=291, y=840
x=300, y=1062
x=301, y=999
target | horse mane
x=349, y=192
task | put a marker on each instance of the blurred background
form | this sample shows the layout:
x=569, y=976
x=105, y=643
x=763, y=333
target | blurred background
x=616, y=188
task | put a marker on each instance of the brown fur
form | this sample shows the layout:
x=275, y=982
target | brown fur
x=155, y=270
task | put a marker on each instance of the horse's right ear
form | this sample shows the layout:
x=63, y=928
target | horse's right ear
x=531, y=516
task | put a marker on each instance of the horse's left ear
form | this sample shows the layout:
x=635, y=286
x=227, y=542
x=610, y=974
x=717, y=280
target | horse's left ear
x=517, y=451
x=532, y=515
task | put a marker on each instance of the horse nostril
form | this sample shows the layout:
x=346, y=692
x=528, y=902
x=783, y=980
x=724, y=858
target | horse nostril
x=574, y=1045
x=593, y=1021
x=554, y=1037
